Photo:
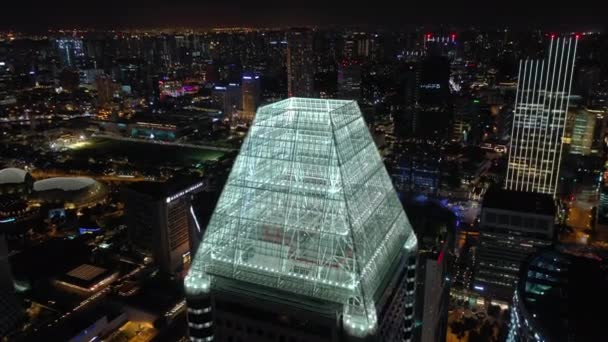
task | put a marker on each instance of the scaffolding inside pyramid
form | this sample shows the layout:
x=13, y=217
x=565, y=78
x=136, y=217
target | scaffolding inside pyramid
x=308, y=209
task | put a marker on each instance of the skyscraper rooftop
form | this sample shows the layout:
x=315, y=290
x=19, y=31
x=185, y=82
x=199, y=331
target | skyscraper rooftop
x=308, y=209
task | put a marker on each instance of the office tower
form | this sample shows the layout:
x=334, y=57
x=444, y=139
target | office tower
x=541, y=104
x=349, y=80
x=10, y=310
x=434, y=226
x=308, y=240
x=560, y=296
x=132, y=74
x=71, y=52
x=404, y=119
x=229, y=98
x=583, y=130
x=513, y=225
x=588, y=80
x=441, y=45
x=106, y=89
x=160, y=221
x=434, y=111
x=251, y=89
x=300, y=67
x=417, y=168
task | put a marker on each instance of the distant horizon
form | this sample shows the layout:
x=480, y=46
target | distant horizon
x=202, y=14
x=431, y=28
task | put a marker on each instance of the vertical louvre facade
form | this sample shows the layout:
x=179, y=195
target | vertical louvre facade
x=310, y=215
x=539, y=119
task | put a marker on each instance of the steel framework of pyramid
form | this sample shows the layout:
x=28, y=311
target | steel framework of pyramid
x=309, y=209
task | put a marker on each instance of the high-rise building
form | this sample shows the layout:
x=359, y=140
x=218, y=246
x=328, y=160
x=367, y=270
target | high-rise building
x=441, y=44
x=161, y=221
x=10, y=310
x=587, y=81
x=539, y=118
x=404, y=119
x=513, y=225
x=106, y=89
x=229, y=98
x=70, y=51
x=434, y=226
x=309, y=240
x=251, y=89
x=560, y=293
x=583, y=130
x=416, y=168
x=300, y=64
x=434, y=112
x=349, y=80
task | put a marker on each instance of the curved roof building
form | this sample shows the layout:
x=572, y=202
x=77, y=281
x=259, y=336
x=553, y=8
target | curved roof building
x=15, y=181
x=309, y=219
x=64, y=184
x=12, y=175
x=73, y=191
x=561, y=296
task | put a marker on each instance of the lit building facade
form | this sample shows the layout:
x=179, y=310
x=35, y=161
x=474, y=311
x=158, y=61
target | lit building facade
x=582, y=132
x=161, y=221
x=300, y=67
x=229, y=98
x=539, y=119
x=251, y=89
x=309, y=240
x=513, y=225
x=349, y=80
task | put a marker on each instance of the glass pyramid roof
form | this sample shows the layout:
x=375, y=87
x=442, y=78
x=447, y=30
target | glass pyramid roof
x=309, y=209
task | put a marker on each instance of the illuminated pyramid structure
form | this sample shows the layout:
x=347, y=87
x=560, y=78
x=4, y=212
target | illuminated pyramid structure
x=308, y=210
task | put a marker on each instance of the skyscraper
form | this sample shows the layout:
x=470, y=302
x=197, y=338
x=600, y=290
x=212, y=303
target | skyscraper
x=161, y=221
x=539, y=118
x=349, y=80
x=309, y=240
x=513, y=225
x=583, y=130
x=559, y=295
x=434, y=112
x=251, y=95
x=300, y=67
x=228, y=98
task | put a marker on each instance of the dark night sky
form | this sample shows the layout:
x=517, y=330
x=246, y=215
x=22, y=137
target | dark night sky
x=35, y=15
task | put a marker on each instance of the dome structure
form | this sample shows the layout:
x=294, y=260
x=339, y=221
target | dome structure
x=71, y=191
x=63, y=183
x=12, y=175
x=15, y=182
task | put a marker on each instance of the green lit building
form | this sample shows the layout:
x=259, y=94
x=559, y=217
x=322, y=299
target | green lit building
x=309, y=241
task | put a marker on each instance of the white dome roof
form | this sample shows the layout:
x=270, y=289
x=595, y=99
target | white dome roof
x=12, y=175
x=63, y=183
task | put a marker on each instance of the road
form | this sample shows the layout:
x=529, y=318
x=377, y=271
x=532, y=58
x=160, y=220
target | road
x=166, y=143
x=39, y=174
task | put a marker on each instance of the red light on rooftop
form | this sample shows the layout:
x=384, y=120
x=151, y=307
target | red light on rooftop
x=552, y=36
x=577, y=36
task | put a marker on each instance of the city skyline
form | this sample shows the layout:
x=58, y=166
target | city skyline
x=278, y=172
